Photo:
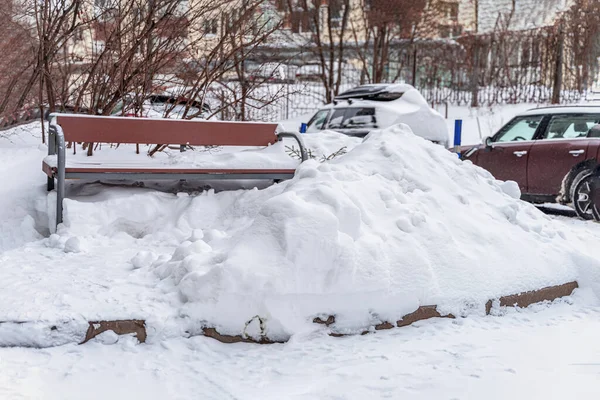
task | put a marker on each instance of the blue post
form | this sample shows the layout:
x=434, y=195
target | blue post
x=303, y=127
x=457, y=136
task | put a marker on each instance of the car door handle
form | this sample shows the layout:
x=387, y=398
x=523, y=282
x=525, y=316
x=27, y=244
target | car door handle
x=576, y=153
x=519, y=153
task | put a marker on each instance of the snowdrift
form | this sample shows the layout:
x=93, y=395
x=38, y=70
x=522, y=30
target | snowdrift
x=370, y=236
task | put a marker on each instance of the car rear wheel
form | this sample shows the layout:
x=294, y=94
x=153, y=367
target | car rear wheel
x=581, y=195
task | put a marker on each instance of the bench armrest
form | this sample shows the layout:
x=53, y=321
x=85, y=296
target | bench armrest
x=298, y=138
x=56, y=146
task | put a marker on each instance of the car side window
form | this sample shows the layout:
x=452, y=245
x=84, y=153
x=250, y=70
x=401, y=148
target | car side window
x=359, y=118
x=317, y=121
x=337, y=118
x=520, y=128
x=594, y=131
x=571, y=126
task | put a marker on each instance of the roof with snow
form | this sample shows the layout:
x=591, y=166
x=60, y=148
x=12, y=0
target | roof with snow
x=527, y=14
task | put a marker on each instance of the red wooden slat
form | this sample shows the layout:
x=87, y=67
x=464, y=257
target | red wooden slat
x=48, y=170
x=84, y=128
x=179, y=171
x=107, y=169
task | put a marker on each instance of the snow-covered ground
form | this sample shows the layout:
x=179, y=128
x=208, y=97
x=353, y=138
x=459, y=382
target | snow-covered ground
x=549, y=351
x=377, y=224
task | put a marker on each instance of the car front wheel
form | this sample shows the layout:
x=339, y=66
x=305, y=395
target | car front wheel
x=596, y=213
x=582, y=196
x=595, y=184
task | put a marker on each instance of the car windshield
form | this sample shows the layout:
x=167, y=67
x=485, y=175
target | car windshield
x=521, y=128
x=317, y=121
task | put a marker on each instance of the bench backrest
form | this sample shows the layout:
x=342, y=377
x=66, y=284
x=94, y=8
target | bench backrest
x=109, y=129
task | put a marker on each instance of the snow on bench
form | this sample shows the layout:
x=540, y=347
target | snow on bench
x=265, y=160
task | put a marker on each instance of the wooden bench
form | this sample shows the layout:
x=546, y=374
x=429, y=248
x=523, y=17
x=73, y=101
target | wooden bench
x=100, y=129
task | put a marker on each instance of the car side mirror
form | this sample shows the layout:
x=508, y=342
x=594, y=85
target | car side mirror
x=488, y=142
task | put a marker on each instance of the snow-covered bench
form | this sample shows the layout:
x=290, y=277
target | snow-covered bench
x=121, y=130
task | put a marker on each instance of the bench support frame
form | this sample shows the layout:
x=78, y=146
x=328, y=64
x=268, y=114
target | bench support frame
x=57, y=146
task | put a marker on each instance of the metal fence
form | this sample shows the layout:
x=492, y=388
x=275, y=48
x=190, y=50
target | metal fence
x=276, y=102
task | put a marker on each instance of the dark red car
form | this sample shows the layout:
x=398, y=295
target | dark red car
x=550, y=152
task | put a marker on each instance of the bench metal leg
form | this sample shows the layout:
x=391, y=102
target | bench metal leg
x=50, y=184
x=60, y=196
x=60, y=176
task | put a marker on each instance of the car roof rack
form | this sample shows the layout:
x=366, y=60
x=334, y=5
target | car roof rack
x=361, y=92
x=378, y=92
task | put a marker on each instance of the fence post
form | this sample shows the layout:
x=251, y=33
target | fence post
x=457, y=136
x=287, y=99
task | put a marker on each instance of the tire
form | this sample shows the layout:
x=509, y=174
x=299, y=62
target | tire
x=595, y=205
x=581, y=195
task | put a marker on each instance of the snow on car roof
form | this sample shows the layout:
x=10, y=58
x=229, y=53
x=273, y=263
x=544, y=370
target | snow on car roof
x=585, y=109
x=411, y=108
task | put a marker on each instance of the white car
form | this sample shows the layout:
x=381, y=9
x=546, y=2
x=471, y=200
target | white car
x=358, y=111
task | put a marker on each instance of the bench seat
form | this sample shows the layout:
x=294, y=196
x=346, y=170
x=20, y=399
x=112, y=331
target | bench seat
x=105, y=171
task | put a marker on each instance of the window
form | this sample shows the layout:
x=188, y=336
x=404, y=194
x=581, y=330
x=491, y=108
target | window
x=302, y=21
x=525, y=54
x=447, y=31
x=453, y=11
x=336, y=15
x=456, y=30
x=210, y=26
x=359, y=118
x=536, y=53
x=317, y=121
x=78, y=34
x=337, y=118
x=571, y=126
x=594, y=131
x=352, y=118
x=521, y=128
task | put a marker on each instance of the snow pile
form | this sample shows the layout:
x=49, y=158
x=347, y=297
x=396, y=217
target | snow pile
x=281, y=155
x=23, y=206
x=396, y=223
x=220, y=157
x=327, y=145
x=369, y=235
